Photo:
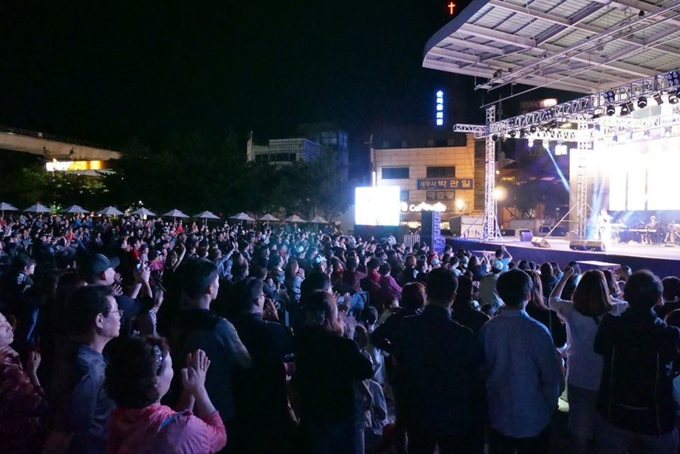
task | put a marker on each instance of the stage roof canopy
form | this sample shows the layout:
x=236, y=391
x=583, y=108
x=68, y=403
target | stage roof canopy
x=576, y=45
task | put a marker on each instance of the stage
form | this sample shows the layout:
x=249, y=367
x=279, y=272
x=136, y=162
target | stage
x=660, y=259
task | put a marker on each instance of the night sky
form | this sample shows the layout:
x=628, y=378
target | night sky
x=110, y=71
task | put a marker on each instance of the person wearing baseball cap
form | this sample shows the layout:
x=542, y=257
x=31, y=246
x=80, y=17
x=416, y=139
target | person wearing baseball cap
x=100, y=270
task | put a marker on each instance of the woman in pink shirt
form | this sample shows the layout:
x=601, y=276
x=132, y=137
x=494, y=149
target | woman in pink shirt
x=137, y=377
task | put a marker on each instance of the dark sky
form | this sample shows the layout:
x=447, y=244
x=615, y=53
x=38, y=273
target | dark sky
x=110, y=71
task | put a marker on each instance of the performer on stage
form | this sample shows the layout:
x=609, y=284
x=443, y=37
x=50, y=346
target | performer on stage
x=652, y=228
x=604, y=228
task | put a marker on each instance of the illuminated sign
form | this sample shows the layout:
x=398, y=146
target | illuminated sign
x=73, y=166
x=416, y=208
x=440, y=195
x=439, y=108
x=452, y=7
x=444, y=183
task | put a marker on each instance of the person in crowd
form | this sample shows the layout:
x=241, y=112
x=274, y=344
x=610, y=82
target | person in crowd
x=635, y=399
x=488, y=295
x=582, y=315
x=440, y=364
x=464, y=311
x=15, y=283
x=409, y=273
x=352, y=276
x=572, y=282
x=478, y=267
x=200, y=329
x=504, y=256
x=538, y=310
x=523, y=373
x=548, y=279
x=100, y=270
x=81, y=404
x=138, y=376
x=670, y=297
x=388, y=285
x=23, y=404
x=326, y=382
x=293, y=281
x=615, y=292
x=264, y=417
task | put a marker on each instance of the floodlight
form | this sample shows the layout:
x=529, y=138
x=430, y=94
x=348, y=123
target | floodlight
x=672, y=97
x=522, y=133
x=513, y=134
x=553, y=124
x=610, y=96
x=611, y=110
x=532, y=129
x=657, y=99
x=494, y=137
x=673, y=78
x=625, y=109
x=642, y=102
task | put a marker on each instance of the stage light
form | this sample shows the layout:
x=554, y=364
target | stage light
x=610, y=96
x=642, y=102
x=597, y=113
x=513, y=134
x=658, y=99
x=530, y=143
x=626, y=108
x=494, y=137
x=532, y=129
x=522, y=133
x=672, y=97
x=553, y=124
x=673, y=78
x=611, y=110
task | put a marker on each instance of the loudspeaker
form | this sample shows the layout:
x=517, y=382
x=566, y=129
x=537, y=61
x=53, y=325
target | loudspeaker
x=525, y=235
x=430, y=222
x=587, y=245
x=540, y=242
x=509, y=232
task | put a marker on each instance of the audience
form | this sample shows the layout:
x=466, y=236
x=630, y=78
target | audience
x=318, y=342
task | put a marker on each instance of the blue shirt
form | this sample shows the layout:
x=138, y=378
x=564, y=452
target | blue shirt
x=524, y=378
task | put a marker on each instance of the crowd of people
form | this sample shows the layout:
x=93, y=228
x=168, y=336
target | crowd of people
x=137, y=335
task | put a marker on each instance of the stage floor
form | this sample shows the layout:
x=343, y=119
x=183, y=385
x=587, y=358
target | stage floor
x=661, y=259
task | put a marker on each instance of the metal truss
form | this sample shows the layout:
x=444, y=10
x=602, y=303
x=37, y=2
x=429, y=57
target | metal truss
x=581, y=201
x=591, y=107
x=490, y=229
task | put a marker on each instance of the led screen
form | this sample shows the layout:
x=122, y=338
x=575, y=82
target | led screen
x=378, y=205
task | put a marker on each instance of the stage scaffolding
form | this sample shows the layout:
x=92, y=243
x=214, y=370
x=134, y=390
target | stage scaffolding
x=607, y=115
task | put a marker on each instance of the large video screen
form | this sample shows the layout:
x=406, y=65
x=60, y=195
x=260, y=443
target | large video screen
x=639, y=175
x=378, y=205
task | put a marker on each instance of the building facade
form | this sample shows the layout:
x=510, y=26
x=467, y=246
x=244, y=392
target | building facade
x=432, y=175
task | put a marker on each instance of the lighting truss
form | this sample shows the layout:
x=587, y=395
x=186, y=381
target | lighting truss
x=586, y=106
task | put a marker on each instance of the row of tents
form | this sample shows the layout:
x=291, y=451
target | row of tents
x=144, y=212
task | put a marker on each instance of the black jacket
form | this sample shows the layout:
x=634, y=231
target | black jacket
x=636, y=390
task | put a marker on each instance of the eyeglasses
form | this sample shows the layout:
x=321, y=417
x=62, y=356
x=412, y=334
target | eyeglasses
x=118, y=311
